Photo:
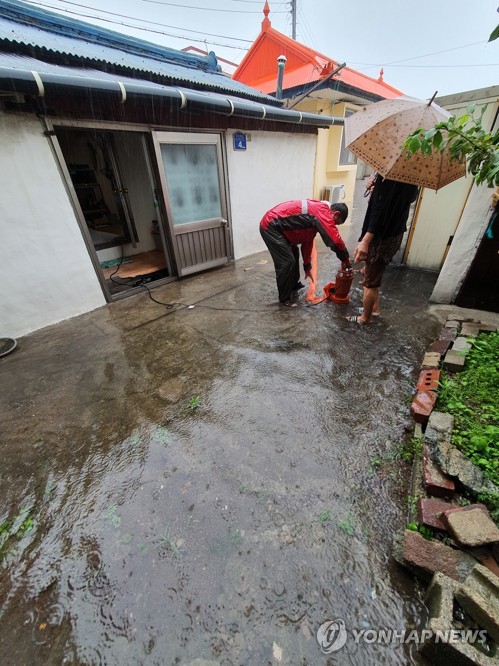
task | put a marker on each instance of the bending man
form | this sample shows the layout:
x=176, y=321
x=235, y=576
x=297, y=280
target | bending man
x=294, y=223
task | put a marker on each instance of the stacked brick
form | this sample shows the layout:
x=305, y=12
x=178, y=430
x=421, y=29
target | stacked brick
x=461, y=560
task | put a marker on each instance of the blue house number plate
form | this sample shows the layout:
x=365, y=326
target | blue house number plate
x=239, y=141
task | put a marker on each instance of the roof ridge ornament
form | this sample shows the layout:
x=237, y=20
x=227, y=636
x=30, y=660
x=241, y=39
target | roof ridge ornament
x=266, y=21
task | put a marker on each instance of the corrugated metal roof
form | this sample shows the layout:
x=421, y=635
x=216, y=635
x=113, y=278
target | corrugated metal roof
x=27, y=75
x=26, y=63
x=86, y=44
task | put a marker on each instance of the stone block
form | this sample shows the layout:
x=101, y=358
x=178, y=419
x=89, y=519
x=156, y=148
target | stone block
x=469, y=330
x=455, y=464
x=422, y=404
x=434, y=480
x=454, y=361
x=479, y=596
x=442, y=423
x=439, y=601
x=487, y=328
x=472, y=527
x=428, y=380
x=426, y=556
x=448, y=334
x=452, y=324
x=418, y=431
x=429, y=511
x=460, y=344
x=431, y=360
x=439, y=347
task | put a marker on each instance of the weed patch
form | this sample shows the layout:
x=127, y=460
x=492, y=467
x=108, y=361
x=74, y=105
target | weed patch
x=472, y=397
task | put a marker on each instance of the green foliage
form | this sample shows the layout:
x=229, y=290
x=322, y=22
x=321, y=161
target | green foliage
x=472, y=397
x=111, y=514
x=425, y=531
x=16, y=527
x=494, y=34
x=347, y=525
x=407, y=450
x=195, y=402
x=492, y=502
x=465, y=139
x=324, y=516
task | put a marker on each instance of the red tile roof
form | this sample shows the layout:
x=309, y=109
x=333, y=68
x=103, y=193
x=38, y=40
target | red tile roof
x=304, y=66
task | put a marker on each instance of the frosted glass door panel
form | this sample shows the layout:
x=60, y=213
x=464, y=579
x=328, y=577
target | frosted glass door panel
x=191, y=172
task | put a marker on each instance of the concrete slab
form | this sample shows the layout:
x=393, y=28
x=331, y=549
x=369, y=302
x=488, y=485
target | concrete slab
x=439, y=645
x=479, y=596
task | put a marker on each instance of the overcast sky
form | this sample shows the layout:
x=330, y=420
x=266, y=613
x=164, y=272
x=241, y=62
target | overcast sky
x=424, y=45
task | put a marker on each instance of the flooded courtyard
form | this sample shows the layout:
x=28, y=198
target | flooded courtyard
x=201, y=485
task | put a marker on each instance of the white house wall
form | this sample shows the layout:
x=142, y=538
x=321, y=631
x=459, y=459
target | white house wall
x=272, y=169
x=436, y=222
x=440, y=212
x=45, y=269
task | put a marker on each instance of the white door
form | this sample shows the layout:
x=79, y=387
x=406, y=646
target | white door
x=190, y=166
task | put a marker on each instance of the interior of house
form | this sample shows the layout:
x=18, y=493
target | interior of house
x=111, y=176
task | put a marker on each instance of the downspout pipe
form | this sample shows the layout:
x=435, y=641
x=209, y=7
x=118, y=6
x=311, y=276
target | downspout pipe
x=44, y=84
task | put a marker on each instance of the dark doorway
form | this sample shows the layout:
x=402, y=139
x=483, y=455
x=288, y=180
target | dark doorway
x=113, y=185
x=480, y=289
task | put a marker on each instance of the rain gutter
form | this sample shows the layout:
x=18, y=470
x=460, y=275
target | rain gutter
x=27, y=82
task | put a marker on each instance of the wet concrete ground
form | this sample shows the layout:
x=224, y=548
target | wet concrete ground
x=204, y=483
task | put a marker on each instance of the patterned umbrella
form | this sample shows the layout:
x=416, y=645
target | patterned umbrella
x=376, y=134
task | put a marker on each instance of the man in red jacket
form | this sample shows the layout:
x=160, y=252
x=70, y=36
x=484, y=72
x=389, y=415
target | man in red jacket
x=294, y=223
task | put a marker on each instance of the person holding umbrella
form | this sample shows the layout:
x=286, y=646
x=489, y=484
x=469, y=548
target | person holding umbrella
x=381, y=237
x=377, y=134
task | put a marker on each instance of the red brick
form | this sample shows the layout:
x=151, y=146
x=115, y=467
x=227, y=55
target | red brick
x=428, y=380
x=429, y=511
x=427, y=557
x=434, y=480
x=440, y=346
x=422, y=405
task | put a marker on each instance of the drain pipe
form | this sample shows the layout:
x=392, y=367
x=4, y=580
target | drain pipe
x=281, y=64
x=26, y=82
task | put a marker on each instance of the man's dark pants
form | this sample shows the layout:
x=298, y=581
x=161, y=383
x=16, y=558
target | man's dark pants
x=286, y=259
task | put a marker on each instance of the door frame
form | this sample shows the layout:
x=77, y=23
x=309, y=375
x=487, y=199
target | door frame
x=204, y=137
x=49, y=125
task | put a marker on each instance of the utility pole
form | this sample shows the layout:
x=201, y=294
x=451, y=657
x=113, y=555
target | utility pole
x=293, y=18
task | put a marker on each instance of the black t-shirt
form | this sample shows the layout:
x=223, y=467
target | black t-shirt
x=388, y=208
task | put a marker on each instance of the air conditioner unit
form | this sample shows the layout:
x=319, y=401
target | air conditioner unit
x=333, y=193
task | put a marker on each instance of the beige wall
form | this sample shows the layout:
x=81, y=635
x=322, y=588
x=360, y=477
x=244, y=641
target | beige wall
x=328, y=170
x=439, y=212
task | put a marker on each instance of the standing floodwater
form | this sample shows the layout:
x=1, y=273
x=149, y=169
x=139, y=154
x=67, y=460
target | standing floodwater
x=202, y=485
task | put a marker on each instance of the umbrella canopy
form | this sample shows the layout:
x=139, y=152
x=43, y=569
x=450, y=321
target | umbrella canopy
x=376, y=134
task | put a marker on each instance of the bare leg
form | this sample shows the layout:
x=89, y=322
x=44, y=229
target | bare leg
x=371, y=304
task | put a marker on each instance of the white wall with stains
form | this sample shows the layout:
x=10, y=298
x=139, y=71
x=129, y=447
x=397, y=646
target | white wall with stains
x=273, y=168
x=45, y=270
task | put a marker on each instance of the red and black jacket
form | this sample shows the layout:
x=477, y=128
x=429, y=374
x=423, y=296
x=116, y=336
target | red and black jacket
x=300, y=220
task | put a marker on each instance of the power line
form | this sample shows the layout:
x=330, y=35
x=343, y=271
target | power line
x=426, y=55
x=206, y=9
x=438, y=66
x=134, y=18
x=137, y=27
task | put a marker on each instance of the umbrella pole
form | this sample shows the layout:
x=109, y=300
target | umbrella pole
x=434, y=95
